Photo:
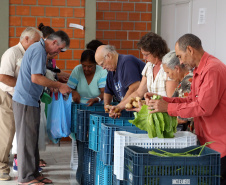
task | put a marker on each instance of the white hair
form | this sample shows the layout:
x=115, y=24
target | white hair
x=109, y=49
x=30, y=32
x=171, y=60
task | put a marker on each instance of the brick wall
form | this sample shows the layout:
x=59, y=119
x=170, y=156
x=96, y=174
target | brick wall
x=55, y=13
x=119, y=22
x=123, y=22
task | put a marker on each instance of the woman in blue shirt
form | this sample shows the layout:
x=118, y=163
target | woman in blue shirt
x=87, y=80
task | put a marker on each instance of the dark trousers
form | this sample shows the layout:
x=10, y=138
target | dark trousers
x=27, y=120
x=223, y=170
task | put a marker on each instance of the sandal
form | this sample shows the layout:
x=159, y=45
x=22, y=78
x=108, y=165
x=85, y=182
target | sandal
x=44, y=180
x=32, y=183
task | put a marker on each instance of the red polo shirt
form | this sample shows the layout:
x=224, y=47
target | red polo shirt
x=206, y=103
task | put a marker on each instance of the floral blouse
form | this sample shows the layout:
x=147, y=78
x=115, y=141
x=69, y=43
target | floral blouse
x=182, y=91
x=184, y=88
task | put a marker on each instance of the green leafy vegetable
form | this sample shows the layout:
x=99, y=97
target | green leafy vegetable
x=163, y=153
x=141, y=118
x=157, y=124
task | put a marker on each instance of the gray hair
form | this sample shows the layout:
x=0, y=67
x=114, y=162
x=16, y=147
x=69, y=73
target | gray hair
x=171, y=60
x=189, y=40
x=61, y=37
x=110, y=49
x=30, y=32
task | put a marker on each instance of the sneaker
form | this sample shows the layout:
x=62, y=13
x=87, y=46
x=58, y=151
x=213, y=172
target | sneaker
x=4, y=177
x=15, y=166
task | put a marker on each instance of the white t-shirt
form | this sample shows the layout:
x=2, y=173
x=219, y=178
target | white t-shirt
x=158, y=85
x=10, y=65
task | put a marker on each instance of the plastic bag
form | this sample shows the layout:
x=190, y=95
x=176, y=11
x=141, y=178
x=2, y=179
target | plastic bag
x=59, y=118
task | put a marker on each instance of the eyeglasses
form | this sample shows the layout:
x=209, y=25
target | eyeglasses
x=146, y=55
x=61, y=49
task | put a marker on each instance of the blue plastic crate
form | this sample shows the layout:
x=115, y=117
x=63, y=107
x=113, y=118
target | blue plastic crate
x=117, y=181
x=95, y=127
x=83, y=124
x=143, y=168
x=107, y=140
x=89, y=167
x=97, y=168
x=74, y=107
x=103, y=173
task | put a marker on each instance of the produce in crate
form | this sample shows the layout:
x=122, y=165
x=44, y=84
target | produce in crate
x=163, y=153
x=142, y=168
x=158, y=124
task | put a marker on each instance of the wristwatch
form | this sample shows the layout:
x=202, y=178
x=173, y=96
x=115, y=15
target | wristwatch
x=99, y=98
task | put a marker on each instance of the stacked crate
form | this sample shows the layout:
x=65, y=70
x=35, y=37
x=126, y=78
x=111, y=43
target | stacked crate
x=103, y=139
x=87, y=157
x=104, y=171
x=86, y=124
x=143, y=168
x=122, y=139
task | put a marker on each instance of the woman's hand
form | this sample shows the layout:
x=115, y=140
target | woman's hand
x=63, y=79
x=92, y=101
x=148, y=96
x=76, y=97
x=63, y=76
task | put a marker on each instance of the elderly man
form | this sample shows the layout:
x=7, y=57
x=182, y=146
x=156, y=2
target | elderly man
x=207, y=100
x=9, y=70
x=124, y=72
x=26, y=105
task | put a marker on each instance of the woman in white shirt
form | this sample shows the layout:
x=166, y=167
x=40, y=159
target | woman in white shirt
x=154, y=79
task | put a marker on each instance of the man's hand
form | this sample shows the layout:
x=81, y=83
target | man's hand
x=76, y=97
x=92, y=101
x=157, y=105
x=115, y=112
x=54, y=90
x=64, y=88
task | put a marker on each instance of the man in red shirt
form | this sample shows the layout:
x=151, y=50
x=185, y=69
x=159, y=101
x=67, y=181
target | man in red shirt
x=207, y=99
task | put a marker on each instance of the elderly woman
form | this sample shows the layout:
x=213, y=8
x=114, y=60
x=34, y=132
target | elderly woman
x=183, y=76
x=87, y=80
x=154, y=79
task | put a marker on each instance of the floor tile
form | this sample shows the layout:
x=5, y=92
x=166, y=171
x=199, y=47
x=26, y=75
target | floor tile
x=58, y=159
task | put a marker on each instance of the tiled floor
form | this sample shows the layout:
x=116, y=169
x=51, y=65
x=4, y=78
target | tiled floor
x=58, y=165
